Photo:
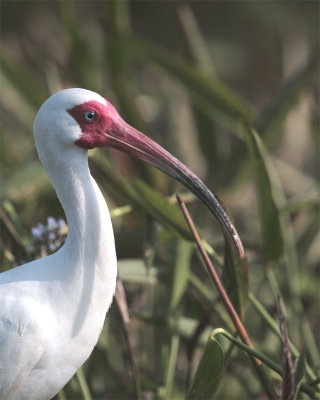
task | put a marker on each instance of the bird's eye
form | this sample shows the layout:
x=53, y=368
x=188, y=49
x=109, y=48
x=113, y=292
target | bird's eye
x=90, y=115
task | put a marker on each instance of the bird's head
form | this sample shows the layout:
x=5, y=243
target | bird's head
x=78, y=119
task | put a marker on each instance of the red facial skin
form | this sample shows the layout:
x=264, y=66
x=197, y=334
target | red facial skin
x=94, y=132
x=108, y=129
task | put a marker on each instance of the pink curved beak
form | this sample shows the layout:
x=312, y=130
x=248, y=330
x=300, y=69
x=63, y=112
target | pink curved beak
x=124, y=137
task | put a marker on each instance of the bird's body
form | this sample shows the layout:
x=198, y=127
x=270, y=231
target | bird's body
x=52, y=310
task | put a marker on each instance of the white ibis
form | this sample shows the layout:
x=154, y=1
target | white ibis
x=52, y=310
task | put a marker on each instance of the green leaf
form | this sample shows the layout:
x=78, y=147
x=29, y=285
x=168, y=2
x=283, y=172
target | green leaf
x=299, y=373
x=207, y=376
x=235, y=278
x=267, y=197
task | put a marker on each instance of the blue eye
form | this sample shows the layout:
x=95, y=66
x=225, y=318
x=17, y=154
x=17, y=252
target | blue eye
x=90, y=115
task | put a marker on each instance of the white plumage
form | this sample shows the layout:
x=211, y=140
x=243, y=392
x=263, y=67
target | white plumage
x=52, y=310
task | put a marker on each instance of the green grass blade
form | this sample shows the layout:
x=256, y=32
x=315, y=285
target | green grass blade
x=83, y=385
x=14, y=225
x=118, y=62
x=267, y=199
x=28, y=180
x=120, y=211
x=195, y=38
x=299, y=373
x=208, y=374
x=160, y=209
x=266, y=360
x=180, y=275
x=308, y=199
x=22, y=80
x=211, y=89
x=135, y=271
x=273, y=115
x=173, y=355
x=80, y=58
x=275, y=328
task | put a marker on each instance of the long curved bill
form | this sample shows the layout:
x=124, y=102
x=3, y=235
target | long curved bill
x=124, y=137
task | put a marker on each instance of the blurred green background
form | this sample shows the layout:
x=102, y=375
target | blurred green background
x=232, y=89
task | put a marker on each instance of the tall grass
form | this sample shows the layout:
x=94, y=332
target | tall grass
x=168, y=335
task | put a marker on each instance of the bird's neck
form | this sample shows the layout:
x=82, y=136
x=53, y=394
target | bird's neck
x=90, y=240
x=88, y=256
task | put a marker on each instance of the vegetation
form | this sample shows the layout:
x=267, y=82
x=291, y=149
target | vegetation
x=230, y=88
